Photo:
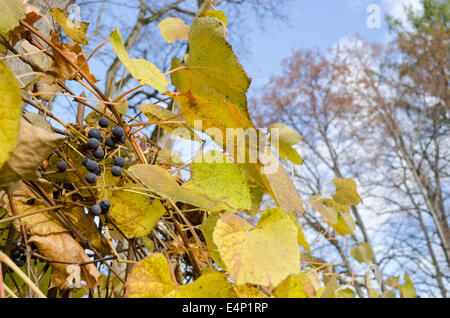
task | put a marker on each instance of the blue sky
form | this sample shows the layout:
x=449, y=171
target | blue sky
x=315, y=24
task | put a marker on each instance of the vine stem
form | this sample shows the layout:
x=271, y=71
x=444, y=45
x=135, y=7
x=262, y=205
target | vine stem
x=12, y=218
x=6, y=260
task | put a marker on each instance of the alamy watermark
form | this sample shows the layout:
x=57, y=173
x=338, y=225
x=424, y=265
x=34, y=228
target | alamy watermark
x=374, y=19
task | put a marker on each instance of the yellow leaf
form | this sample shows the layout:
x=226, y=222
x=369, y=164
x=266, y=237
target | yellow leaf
x=10, y=110
x=75, y=31
x=248, y=291
x=363, y=253
x=264, y=254
x=12, y=11
x=407, y=290
x=134, y=214
x=295, y=286
x=286, y=135
x=207, y=228
x=301, y=239
x=34, y=146
x=150, y=278
x=157, y=113
x=173, y=29
x=328, y=213
x=215, y=186
x=143, y=71
x=215, y=14
x=210, y=285
x=346, y=192
x=330, y=288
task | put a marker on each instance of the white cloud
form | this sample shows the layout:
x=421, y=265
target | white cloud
x=398, y=8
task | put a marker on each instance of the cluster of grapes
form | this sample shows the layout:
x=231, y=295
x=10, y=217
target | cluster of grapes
x=94, y=142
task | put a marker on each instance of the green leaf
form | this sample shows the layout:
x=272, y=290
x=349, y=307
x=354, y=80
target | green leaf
x=134, y=214
x=143, y=71
x=330, y=288
x=210, y=285
x=215, y=14
x=328, y=213
x=207, y=228
x=286, y=135
x=10, y=111
x=220, y=181
x=295, y=286
x=150, y=278
x=75, y=31
x=301, y=239
x=157, y=114
x=346, y=192
x=173, y=29
x=363, y=253
x=212, y=89
x=407, y=290
x=12, y=11
x=264, y=254
x=33, y=146
x=215, y=186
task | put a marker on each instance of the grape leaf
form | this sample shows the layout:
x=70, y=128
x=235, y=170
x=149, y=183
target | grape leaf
x=221, y=196
x=264, y=254
x=346, y=192
x=207, y=228
x=215, y=14
x=63, y=247
x=328, y=213
x=157, y=113
x=407, y=290
x=220, y=181
x=33, y=146
x=210, y=285
x=173, y=29
x=295, y=286
x=10, y=111
x=12, y=11
x=286, y=134
x=330, y=288
x=248, y=291
x=75, y=31
x=134, y=214
x=212, y=89
x=301, y=238
x=150, y=278
x=363, y=253
x=143, y=71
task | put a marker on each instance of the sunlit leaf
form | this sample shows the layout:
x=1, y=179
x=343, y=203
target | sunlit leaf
x=10, y=111
x=33, y=146
x=407, y=290
x=363, y=253
x=215, y=14
x=264, y=254
x=150, y=278
x=157, y=114
x=143, y=71
x=12, y=11
x=210, y=285
x=173, y=29
x=133, y=213
x=346, y=192
x=74, y=30
x=295, y=286
x=301, y=238
x=248, y=291
x=328, y=213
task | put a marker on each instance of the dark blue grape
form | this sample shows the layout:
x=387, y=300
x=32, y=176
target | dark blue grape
x=110, y=142
x=116, y=171
x=93, y=143
x=99, y=153
x=61, y=165
x=103, y=122
x=119, y=161
x=91, y=178
x=92, y=166
x=105, y=205
x=94, y=133
x=96, y=209
x=118, y=132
